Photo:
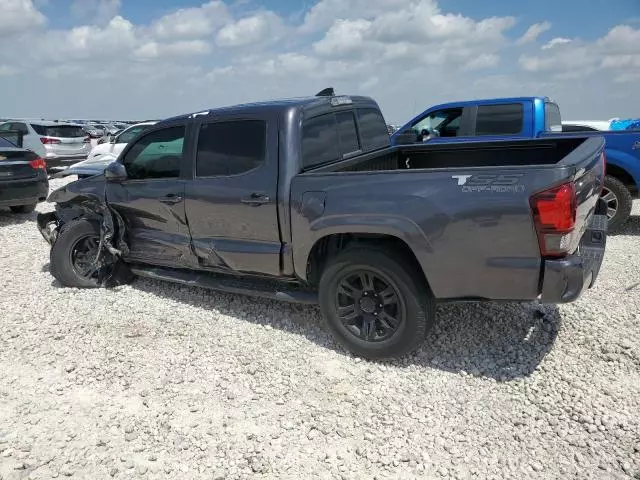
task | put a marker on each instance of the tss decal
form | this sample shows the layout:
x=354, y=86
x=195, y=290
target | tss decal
x=488, y=180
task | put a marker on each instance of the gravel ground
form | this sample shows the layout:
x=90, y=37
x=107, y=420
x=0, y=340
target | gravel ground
x=162, y=381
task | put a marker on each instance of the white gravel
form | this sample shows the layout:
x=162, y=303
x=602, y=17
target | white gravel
x=160, y=381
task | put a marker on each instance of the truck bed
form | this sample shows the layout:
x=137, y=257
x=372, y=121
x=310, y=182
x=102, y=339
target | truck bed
x=464, y=209
x=547, y=151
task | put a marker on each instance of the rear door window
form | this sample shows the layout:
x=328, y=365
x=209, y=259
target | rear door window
x=504, y=119
x=231, y=148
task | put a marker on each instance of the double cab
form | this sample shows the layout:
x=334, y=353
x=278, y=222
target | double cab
x=306, y=200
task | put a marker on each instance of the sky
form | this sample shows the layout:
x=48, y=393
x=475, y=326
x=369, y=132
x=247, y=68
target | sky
x=139, y=59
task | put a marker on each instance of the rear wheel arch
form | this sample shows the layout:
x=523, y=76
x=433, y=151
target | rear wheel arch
x=331, y=245
x=623, y=175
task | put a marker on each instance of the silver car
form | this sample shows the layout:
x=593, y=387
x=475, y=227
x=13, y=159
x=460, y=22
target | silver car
x=58, y=143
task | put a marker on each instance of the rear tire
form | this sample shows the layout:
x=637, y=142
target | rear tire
x=618, y=197
x=23, y=208
x=400, y=300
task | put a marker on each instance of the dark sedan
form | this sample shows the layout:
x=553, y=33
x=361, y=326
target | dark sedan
x=23, y=178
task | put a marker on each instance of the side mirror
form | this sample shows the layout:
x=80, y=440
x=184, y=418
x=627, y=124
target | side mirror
x=115, y=172
x=407, y=137
x=112, y=139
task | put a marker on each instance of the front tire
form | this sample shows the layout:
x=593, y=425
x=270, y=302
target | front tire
x=23, y=208
x=373, y=303
x=619, y=202
x=73, y=254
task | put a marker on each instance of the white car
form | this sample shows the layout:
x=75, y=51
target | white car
x=117, y=144
x=58, y=143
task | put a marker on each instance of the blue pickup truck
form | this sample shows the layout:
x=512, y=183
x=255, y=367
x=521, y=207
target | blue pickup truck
x=525, y=118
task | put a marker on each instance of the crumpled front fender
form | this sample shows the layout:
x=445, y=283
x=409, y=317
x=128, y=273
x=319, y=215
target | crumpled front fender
x=48, y=226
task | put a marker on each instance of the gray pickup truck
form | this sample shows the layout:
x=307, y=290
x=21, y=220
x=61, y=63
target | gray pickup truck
x=305, y=200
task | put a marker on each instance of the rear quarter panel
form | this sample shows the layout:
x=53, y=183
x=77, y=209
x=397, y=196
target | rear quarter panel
x=471, y=242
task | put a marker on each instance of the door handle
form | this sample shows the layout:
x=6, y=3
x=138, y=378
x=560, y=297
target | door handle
x=171, y=199
x=256, y=199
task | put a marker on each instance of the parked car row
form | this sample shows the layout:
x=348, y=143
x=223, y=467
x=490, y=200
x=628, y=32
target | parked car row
x=59, y=144
x=23, y=178
x=310, y=200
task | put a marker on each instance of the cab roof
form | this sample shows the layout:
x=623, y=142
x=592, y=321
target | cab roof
x=317, y=105
x=501, y=100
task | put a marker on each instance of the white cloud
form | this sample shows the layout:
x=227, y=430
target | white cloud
x=419, y=31
x=18, y=16
x=260, y=27
x=621, y=39
x=485, y=60
x=7, y=70
x=617, y=54
x=192, y=22
x=533, y=32
x=95, y=11
x=554, y=42
x=115, y=38
x=153, y=50
x=325, y=12
x=407, y=54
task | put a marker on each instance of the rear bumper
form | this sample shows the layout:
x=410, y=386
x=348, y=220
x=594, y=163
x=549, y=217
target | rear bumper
x=23, y=192
x=565, y=279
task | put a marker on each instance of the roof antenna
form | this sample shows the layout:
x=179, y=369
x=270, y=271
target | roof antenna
x=327, y=92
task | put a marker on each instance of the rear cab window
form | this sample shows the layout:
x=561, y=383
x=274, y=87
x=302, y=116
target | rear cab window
x=552, y=119
x=337, y=135
x=59, y=131
x=500, y=119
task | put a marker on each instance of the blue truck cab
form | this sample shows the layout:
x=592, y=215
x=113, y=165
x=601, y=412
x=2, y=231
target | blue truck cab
x=524, y=118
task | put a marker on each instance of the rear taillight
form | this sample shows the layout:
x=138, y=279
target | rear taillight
x=49, y=141
x=38, y=163
x=554, y=215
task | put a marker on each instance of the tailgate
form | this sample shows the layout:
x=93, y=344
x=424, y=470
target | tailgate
x=588, y=181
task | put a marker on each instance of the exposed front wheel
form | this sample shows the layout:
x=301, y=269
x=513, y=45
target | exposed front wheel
x=619, y=202
x=23, y=208
x=373, y=305
x=76, y=259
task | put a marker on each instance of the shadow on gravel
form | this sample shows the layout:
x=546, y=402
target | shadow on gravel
x=632, y=227
x=503, y=341
x=7, y=217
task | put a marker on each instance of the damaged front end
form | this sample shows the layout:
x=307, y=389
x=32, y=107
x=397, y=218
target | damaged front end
x=87, y=199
